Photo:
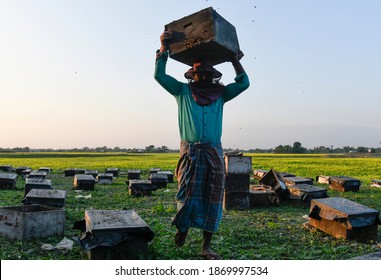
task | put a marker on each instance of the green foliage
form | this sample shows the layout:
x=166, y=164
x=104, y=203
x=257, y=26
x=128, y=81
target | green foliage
x=273, y=233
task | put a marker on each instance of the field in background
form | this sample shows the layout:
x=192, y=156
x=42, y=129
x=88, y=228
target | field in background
x=275, y=232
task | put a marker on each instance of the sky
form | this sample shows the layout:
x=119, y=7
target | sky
x=79, y=73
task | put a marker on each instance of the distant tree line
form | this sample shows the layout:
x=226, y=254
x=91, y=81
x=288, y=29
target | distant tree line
x=296, y=148
x=103, y=149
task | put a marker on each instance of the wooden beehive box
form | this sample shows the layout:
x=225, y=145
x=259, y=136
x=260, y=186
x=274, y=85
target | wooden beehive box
x=93, y=173
x=286, y=174
x=259, y=196
x=140, y=187
x=292, y=181
x=119, y=235
x=323, y=179
x=237, y=164
x=343, y=218
x=31, y=221
x=169, y=175
x=236, y=201
x=113, y=171
x=104, y=178
x=6, y=168
x=19, y=170
x=375, y=183
x=159, y=179
x=303, y=193
x=259, y=173
x=202, y=35
x=275, y=180
x=344, y=184
x=25, y=173
x=36, y=183
x=154, y=170
x=8, y=180
x=84, y=182
x=70, y=172
x=45, y=169
x=37, y=174
x=237, y=183
x=80, y=171
x=133, y=174
x=48, y=197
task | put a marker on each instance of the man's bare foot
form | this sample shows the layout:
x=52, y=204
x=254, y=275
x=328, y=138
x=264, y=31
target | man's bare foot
x=180, y=238
x=208, y=254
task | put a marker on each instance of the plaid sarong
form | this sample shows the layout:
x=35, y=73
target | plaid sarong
x=200, y=174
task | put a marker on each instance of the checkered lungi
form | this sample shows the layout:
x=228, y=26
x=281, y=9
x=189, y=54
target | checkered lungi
x=200, y=175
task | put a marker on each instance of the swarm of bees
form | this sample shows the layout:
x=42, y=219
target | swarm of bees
x=192, y=42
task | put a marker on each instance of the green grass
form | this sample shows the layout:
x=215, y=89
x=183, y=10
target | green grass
x=273, y=233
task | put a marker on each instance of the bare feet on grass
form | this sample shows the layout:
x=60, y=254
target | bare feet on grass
x=208, y=254
x=180, y=238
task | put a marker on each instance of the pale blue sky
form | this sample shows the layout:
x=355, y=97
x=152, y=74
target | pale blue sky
x=80, y=73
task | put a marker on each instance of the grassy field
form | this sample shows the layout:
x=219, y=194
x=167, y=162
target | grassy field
x=271, y=233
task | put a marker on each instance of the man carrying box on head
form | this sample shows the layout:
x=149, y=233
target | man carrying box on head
x=200, y=169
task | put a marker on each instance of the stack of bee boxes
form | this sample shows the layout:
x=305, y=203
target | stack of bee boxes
x=237, y=182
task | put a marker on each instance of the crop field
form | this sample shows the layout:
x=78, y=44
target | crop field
x=268, y=233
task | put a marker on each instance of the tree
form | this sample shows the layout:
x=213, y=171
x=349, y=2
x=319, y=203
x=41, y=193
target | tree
x=287, y=149
x=362, y=149
x=150, y=149
x=298, y=149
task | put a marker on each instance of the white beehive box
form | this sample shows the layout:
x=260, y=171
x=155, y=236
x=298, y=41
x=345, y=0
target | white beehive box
x=237, y=164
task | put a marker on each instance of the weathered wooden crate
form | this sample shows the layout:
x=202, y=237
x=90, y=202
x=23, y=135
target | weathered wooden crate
x=169, y=175
x=19, y=170
x=93, y=173
x=37, y=174
x=84, y=182
x=48, y=197
x=140, y=187
x=275, y=180
x=323, y=179
x=286, y=174
x=159, y=179
x=133, y=174
x=237, y=183
x=70, y=172
x=303, y=194
x=36, y=183
x=292, y=181
x=259, y=196
x=343, y=218
x=375, y=183
x=113, y=171
x=31, y=221
x=236, y=201
x=204, y=34
x=105, y=178
x=259, y=173
x=26, y=172
x=154, y=170
x=45, y=169
x=344, y=184
x=237, y=164
x=115, y=235
x=8, y=180
x=6, y=168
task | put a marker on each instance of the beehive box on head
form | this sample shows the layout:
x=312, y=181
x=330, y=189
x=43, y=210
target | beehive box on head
x=202, y=35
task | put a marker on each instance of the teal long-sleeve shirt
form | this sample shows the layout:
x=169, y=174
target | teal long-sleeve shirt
x=198, y=123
